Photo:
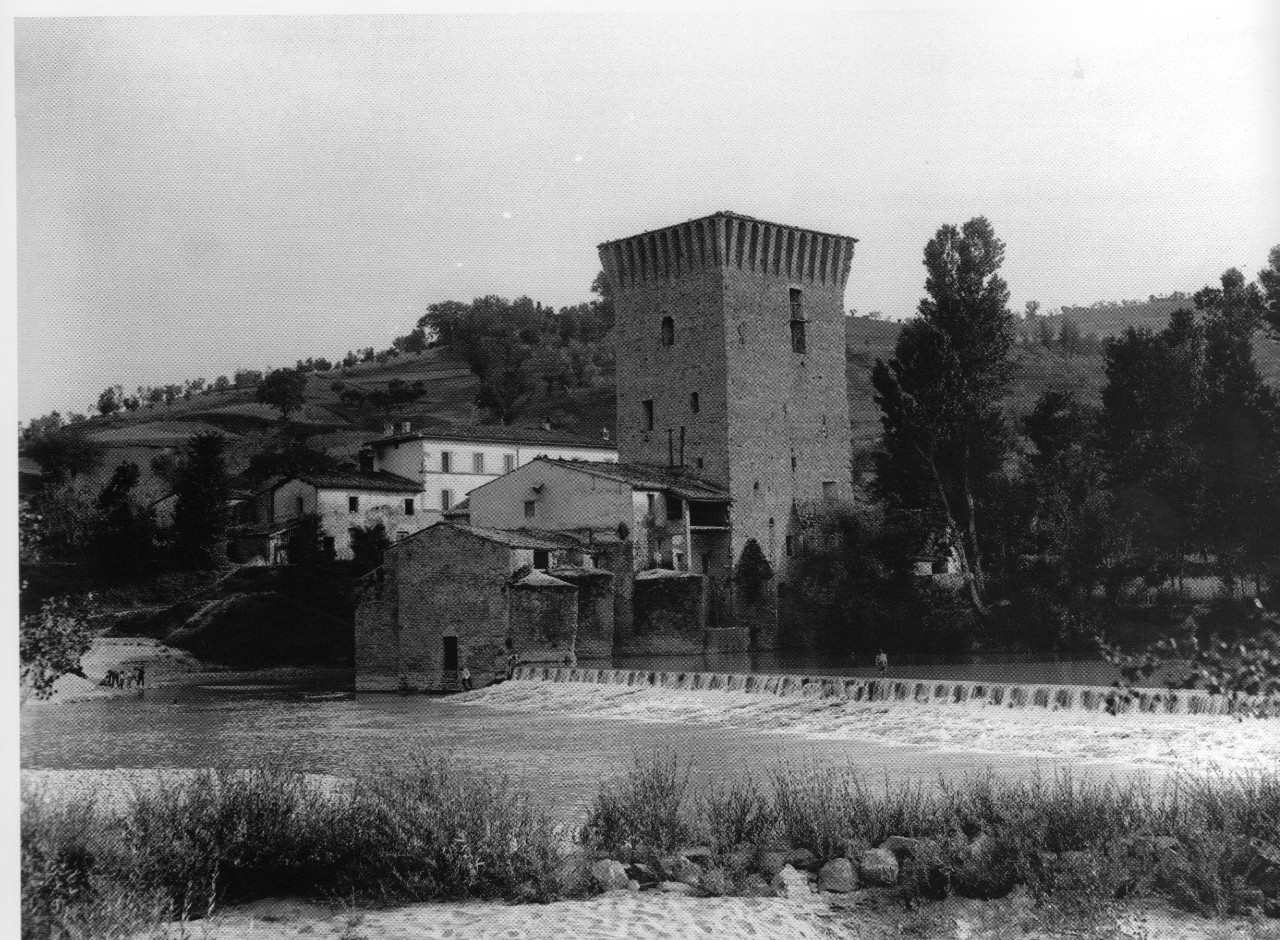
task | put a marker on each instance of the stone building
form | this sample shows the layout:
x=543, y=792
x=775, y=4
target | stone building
x=454, y=596
x=730, y=338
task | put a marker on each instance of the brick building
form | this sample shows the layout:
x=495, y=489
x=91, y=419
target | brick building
x=730, y=338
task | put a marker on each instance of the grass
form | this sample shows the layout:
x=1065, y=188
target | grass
x=446, y=831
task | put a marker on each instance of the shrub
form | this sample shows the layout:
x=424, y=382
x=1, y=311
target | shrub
x=646, y=812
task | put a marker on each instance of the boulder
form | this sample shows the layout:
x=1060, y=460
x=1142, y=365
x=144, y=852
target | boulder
x=714, y=882
x=770, y=863
x=903, y=847
x=677, y=887
x=837, y=875
x=802, y=859
x=608, y=873
x=679, y=868
x=633, y=885
x=878, y=867
x=791, y=883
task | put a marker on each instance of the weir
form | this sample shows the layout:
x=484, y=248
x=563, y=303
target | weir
x=1010, y=695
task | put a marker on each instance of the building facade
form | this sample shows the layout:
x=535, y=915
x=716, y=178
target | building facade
x=450, y=464
x=730, y=337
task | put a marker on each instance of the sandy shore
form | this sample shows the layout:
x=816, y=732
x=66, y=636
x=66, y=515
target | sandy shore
x=626, y=916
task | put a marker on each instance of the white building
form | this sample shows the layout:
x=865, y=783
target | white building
x=450, y=463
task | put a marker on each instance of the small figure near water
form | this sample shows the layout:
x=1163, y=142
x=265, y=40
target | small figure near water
x=512, y=662
x=882, y=664
x=466, y=680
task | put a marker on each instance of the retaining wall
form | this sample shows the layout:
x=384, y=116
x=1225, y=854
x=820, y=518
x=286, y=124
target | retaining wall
x=1089, y=698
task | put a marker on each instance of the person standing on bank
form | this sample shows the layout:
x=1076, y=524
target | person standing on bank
x=466, y=680
x=882, y=664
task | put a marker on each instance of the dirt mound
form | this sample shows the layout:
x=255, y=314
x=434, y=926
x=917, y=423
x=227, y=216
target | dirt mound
x=264, y=629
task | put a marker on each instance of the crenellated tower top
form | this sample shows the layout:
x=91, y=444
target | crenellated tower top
x=727, y=239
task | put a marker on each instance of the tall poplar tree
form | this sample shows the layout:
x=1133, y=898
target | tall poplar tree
x=945, y=437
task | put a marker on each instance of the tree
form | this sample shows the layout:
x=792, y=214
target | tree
x=124, y=536
x=304, y=541
x=289, y=459
x=506, y=386
x=221, y=383
x=367, y=545
x=945, y=438
x=111, y=400
x=1044, y=332
x=1269, y=280
x=51, y=643
x=1033, y=309
x=285, y=390
x=65, y=455
x=247, y=378
x=203, y=490
x=1069, y=339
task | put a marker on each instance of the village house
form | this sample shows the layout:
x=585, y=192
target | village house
x=449, y=463
x=455, y=596
x=343, y=499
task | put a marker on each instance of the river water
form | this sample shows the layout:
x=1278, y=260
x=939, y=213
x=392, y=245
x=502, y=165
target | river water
x=561, y=742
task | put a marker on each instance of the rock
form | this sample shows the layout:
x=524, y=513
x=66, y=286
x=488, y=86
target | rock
x=878, y=867
x=837, y=875
x=679, y=868
x=903, y=847
x=677, y=887
x=608, y=873
x=633, y=885
x=802, y=859
x=791, y=883
x=770, y=863
x=714, y=882
x=754, y=886
x=643, y=874
x=699, y=854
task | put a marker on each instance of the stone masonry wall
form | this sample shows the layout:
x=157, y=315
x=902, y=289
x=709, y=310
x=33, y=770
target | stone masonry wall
x=544, y=619
x=595, y=610
x=669, y=614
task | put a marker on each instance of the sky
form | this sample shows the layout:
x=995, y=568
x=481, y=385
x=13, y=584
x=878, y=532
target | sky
x=196, y=195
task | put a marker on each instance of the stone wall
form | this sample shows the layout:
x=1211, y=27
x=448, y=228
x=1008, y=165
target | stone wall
x=670, y=616
x=595, y=609
x=544, y=619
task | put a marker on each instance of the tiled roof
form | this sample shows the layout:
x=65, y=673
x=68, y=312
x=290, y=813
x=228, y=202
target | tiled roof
x=497, y=434
x=510, y=538
x=379, y=481
x=539, y=579
x=726, y=214
x=644, y=476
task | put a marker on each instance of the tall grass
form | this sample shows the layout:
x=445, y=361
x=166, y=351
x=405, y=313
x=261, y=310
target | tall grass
x=181, y=848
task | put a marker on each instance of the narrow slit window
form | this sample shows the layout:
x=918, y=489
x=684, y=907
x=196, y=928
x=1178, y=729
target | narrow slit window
x=797, y=337
x=668, y=331
x=797, y=304
x=694, y=403
x=647, y=413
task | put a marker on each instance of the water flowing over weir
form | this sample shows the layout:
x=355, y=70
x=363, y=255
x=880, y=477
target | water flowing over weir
x=1054, y=697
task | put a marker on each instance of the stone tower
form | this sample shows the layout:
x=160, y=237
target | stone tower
x=730, y=340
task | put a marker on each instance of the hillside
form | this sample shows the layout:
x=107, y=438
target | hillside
x=450, y=389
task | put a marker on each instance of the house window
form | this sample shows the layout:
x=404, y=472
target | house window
x=541, y=559
x=647, y=410
x=446, y=500
x=330, y=548
x=409, y=506
x=477, y=463
x=675, y=509
x=446, y=461
x=297, y=505
x=508, y=462
x=353, y=504
x=649, y=499
x=694, y=404
x=530, y=508
x=668, y=331
x=829, y=489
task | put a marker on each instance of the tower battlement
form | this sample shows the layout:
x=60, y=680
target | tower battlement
x=728, y=240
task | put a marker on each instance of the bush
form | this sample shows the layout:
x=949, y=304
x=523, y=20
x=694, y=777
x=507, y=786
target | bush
x=647, y=812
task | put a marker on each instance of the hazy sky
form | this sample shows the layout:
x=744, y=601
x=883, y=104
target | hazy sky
x=197, y=195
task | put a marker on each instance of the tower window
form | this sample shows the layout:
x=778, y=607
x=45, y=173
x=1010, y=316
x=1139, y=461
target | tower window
x=693, y=402
x=797, y=337
x=647, y=410
x=698, y=462
x=668, y=331
x=797, y=304
x=793, y=461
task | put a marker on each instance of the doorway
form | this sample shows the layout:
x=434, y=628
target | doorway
x=451, y=654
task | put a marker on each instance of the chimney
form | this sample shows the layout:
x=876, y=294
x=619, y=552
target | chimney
x=604, y=433
x=366, y=461
x=388, y=428
x=405, y=426
x=547, y=425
